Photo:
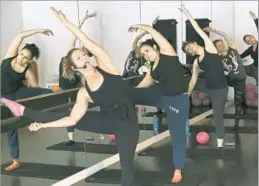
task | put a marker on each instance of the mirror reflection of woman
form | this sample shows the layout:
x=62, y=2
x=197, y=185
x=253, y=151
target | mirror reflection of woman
x=15, y=69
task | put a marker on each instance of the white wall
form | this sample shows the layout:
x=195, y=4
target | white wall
x=11, y=23
x=37, y=14
x=110, y=28
x=117, y=17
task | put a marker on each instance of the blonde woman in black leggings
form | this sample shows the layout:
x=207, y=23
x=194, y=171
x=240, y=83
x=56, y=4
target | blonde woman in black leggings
x=103, y=86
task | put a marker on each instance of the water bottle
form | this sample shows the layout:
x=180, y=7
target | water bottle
x=187, y=128
x=187, y=132
x=155, y=124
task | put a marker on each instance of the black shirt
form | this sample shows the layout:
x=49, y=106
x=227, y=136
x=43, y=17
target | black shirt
x=132, y=65
x=251, y=52
x=213, y=71
x=65, y=83
x=113, y=91
x=11, y=80
x=233, y=65
x=170, y=74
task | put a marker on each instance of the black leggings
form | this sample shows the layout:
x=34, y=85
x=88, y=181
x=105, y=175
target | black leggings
x=123, y=124
x=239, y=94
x=218, y=99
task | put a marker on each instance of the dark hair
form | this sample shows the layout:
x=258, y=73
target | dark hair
x=150, y=42
x=216, y=41
x=184, y=44
x=68, y=63
x=34, y=50
x=244, y=38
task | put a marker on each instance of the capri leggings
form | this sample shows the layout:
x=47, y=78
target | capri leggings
x=177, y=108
x=119, y=120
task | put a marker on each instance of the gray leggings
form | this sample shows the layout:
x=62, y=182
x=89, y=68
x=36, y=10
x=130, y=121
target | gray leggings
x=218, y=98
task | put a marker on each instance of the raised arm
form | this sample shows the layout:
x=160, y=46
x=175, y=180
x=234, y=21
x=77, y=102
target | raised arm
x=87, y=16
x=194, y=78
x=78, y=111
x=209, y=46
x=14, y=47
x=31, y=78
x=164, y=45
x=102, y=58
x=255, y=18
x=227, y=38
x=136, y=40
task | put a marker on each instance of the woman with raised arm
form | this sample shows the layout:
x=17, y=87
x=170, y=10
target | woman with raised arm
x=252, y=70
x=103, y=86
x=169, y=92
x=234, y=70
x=15, y=68
x=211, y=63
x=135, y=60
x=75, y=80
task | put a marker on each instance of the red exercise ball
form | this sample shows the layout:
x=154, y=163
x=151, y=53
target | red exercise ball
x=202, y=138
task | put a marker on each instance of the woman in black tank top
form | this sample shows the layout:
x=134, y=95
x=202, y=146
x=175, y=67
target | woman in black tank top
x=15, y=68
x=211, y=63
x=65, y=83
x=103, y=86
x=164, y=86
x=234, y=70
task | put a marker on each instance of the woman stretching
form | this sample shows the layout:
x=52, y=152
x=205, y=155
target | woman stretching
x=211, y=63
x=103, y=86
x=15, y=69
x=169, y=92
x=252, y=70
x=234, y=70
x=75, y=80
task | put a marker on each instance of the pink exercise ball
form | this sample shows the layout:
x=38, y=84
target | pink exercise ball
x=255, y=103
x=206, y=102
x=249, y=86
x=203, y=95
x=250, y=96
x=202, y=138
x=112, y=137
x=196, y=102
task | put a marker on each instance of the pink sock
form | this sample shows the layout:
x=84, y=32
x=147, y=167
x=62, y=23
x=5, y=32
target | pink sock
x=16, y=108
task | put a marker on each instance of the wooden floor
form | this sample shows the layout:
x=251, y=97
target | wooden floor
x=239, y=170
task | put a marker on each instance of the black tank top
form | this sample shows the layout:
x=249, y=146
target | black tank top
x=213, y=71
x=112, y=91
x=11, y=80
x=170, y=75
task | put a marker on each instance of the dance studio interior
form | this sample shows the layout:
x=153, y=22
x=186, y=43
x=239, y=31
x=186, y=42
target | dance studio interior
x=212, y=47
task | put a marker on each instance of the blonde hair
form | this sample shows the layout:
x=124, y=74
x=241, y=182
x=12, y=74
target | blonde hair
x=67, y=64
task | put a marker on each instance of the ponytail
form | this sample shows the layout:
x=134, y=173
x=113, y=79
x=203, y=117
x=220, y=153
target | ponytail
x=68, y=72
